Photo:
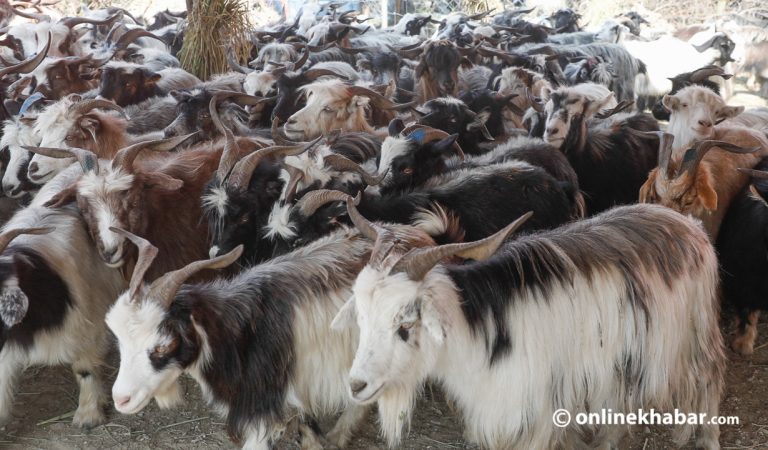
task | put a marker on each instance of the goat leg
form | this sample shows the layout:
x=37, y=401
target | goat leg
x=90, y=408
x=349, y=420
x=746, y=333
x=11, y=365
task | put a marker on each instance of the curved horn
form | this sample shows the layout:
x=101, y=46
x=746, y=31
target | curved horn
x=356, y=50
x=418, y=262
x=129, y=36
x=87, y=159
x=164, y=288
x=366, y=227
x=71, y=22
x=85, y=106
x=377, y=99
x=303, y=60
x=424, y=134
x=343, y=164
x=693, y=156
x=312, y=201
x=30, y=64
x=760, y=174
x=313, y=74
x=147, y=254
x=481, y=15
x=624, y=104
x=702, y=74
x=7, y=236
x=295, y=176
x=125, y=157
x=33, y=16
x=232, y=62
x=243, y=170
x=278, y=136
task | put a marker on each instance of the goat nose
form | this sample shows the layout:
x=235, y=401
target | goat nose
x=705, y=123
x=33, y=168
x=122, y=400
x=356, y=386
x=8, y=188
x=167, y=133
x=109, y=254
x=552, y=131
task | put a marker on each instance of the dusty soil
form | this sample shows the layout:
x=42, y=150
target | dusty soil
x=47, y=398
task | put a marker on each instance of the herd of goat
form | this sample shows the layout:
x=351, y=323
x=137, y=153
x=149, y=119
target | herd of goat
x=487, y=207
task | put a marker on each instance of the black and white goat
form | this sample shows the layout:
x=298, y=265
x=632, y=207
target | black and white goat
x=259, y=344
x=630, y=299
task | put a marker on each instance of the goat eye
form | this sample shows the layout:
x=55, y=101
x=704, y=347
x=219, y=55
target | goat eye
x=69, y=138
x=684, y=105
x=161, y=349
x=205, y=116
x=407, y=170
x=243, y=220
x=403, y=332
x=328, y=109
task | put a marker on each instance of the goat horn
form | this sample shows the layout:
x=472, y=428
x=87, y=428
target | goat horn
x=232, y=62
x=479, y=16
x=231, y=150
x=295, y=176
x=418, y=262
x=7, y=236
x=33, y=16
x=760, y=174
x=87, y=159
x=71, y=22
x=366, y=227
x=356, y=50
x=243, y=170
x=377, y=99
x=313, y=74
x=164, y=288
x=429, y=134
x=310, y=203
x=344, y=164
x=702, y=74
x=147, y=254
x=131, y=35
x=666, y=140
x=693, y=156
x=30, y=64
x=624, y=104
x=85, y=106
x=303, y=60
x=125, y=157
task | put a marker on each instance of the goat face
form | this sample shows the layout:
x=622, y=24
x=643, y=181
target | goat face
x=63, y=77
x=454, y=117
x=128, y=84
x=384, y=67
x=400, y=331
x=409, y=164
x=15, y=134
x=153, y=353
x=567, y=103
x=694, y=111
x=262, y=84
x=440, y=63
x=193, y=114
x=329, y=107
x=413, y=27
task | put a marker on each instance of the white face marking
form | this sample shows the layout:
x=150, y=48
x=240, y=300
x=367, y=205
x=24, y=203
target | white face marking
x=391, y=148
x=136, y=328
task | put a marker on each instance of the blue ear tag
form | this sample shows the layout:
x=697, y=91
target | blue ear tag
x=418, y=135
x=29, y=102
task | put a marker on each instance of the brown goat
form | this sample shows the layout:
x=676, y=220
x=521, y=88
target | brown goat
x=703, y=180
x=157, y=198
x=437, y=72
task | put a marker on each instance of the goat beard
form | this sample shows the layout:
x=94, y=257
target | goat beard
x=395, y=411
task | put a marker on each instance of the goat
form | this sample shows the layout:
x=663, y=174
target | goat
x=470, y=326
x=52, y=310
x=128, y=83
x=332, y=105
x=259, y=345
x=437, y=73
x=742, y=251
x=699, y=77
x=611, y=159
x=74, y=122
x=694, y=112
x=702, y=180
x=454, y=117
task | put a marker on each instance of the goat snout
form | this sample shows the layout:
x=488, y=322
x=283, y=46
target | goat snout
x=9, y=188
x=33, y=168
x=705, y=123
x=357, y=386
x=121, y=401
x=552, y=131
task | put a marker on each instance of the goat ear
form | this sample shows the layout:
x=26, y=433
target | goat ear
x=180, y=96
x=157, y=180
x=730, y=111
x=63, y=197
x=648, y=189
x=434, y=319
x=670, y=102
x=346, y=317
x=153, y=78
x=705, y=191
x=480, y=119
x=445, y=146
x=466, y=63
x=595, y=106
x=91, y=124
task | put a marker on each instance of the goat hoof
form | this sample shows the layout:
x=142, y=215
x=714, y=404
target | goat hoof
x=337, y=440
x=88, y=418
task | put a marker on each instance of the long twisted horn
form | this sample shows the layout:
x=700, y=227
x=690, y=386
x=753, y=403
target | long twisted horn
x=377, y=99
x=147, y=254
x=705, y=72
x=30, y=64
x=418, y=262
x=164, y=288
x=125, y=157
x=693, y=156
x=7, y=236
x=86, y=106
x=312, y=201
x=243, y=170
x=87, y=159
x=71, y=22
x=343, y=164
